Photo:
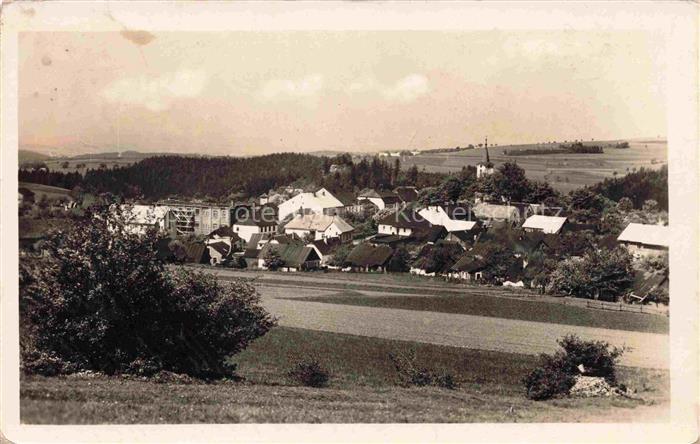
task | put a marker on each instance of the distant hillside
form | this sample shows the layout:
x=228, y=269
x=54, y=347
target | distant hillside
x=26, y=156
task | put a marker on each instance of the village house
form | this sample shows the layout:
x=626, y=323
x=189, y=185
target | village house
x=194, y=218
x=436, y=259
x=407, y=195
x=489, y=213
x=645, y=240
x=140, y=218
x=452, y=217
x=380, y=199
x=218, y=252
x=295, y=257
x=325, y=248
x=228, y=236
x=402, y=223
x=368, y=257
x=255, y=220
x=319, y=202
x=544, y=224
x=468, y=268
x=319, y=226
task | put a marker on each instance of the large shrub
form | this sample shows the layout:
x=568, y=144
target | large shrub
x=310, y=373
x=102, y=300
x=557, y=373
x=600, y=274
x=410, y=373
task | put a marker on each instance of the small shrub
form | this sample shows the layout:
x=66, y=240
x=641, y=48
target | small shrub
x=410, y=374
x=310, y=373
x=557, y=373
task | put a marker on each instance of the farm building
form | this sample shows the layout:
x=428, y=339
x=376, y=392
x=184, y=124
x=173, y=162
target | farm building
x=544, y=224
x=452, y=217
x=645, y=240
x=403, y=223
x=380, y=199
x=294, y=257
x=319, y=202
x=228, y=236
x=436, y=259
x=325, y=248
x=319, y=226
x=368, y=257
x=492, y=212
x=468, y=268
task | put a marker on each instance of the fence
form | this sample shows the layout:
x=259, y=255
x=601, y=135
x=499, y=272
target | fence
x=617, y=306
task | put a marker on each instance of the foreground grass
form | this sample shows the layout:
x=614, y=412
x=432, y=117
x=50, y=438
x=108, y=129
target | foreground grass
x=507, y=308
x=363, y=389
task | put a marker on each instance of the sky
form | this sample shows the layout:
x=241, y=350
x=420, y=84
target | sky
x=245, y=93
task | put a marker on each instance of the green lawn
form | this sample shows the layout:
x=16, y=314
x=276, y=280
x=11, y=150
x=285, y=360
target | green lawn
x=362, y=389
x=502, y=307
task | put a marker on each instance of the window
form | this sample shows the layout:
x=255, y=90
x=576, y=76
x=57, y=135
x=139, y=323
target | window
x=196, y=211
x=215, y=213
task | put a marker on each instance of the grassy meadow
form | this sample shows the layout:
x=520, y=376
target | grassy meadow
x=363, y=388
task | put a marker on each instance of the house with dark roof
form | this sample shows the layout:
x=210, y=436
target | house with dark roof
x=218, y=252
x=196, y=253
x=381, y=199
x=228, y=236
x=436, y=259
x=407, y=195
x=295, y=257
x=325, y=248
x=368, y=257
x=403, y=223
x=646, y=285
x=469, y=267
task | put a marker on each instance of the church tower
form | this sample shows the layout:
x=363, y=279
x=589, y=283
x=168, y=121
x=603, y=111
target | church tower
x=485, y=168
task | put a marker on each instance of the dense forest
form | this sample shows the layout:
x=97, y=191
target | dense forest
x=226, y=177
x=638, y=186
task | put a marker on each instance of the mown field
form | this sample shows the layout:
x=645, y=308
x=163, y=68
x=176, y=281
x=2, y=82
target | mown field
x=481, y=304
x=363, y=388
x=564, y=172
x=45, y=190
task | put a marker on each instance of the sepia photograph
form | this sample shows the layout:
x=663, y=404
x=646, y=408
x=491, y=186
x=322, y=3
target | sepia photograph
x=275, y=224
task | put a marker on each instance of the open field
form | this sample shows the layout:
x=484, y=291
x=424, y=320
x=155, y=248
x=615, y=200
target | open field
x=363, y=389
x=564, y=172
x=284, y=296
x=44, y=190
x=409, y=292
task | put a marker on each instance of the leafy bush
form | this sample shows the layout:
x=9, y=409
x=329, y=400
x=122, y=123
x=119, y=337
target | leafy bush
x=411, y=374
x=556, y=374
x=102, y=300
x=310, y=373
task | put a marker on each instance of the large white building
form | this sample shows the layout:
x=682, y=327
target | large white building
x=319, y=226
x=452, y=217
x=320, y=202
x=645, y=240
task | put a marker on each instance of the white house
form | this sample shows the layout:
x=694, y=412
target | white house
x=544, y=224
x=319, y=226
x=381, y=199
x=493, y=212
x=320, y=202
x=403, y=223
x=452, y=217
x=645, y=240
x=140, y=218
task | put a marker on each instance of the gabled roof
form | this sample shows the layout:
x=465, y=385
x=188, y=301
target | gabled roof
x=484, y=210
x=255, y=238
x=431, y=234
x=287, y=239
x=327, y=246
x=389, y=197
x=225, y=231
x=452, y=251
x=221, y=247
x=347, y=198
x=368, y=255
x=656, y=235
x=407, y=194
x=405, y=219
x=645, y=283
x=318, y=222
x=547, y=224
x=293, y=255
x=196, y=252
x=469, y=263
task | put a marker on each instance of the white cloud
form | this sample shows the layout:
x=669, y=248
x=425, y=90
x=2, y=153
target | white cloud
x=405, y=89
x=308, y=86
x=156, y=93
x=408, y=89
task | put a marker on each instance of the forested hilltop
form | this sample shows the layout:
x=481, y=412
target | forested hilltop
x=223, y=177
